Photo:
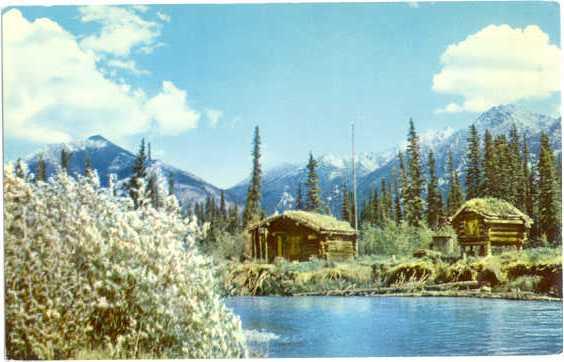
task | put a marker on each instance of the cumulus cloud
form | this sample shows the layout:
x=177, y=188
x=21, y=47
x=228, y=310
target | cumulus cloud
x=498, y=65
x=122, y=29
x=171, y=111
x=213, y=116
x=54, y=92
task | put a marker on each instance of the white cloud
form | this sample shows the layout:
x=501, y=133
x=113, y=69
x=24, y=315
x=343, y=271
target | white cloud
x=170, y=109
x=213, y=116
x=498, y=65
x=122, y=29
x=413, y=4
x=54, y=92
x=128, y=65
x=163, y=17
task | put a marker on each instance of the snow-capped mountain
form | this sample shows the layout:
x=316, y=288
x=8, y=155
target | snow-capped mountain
x=108, y=158
x=281, y=183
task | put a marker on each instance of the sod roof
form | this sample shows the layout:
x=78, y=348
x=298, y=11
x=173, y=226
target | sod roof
x=318, y=222
x=493, y=208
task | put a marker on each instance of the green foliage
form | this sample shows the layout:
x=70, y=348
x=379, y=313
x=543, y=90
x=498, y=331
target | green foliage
x=549, y=222
x=455, y=196
x=312, y=183
x=85, y=271
x=393, y=239
x=253, y=208
x=65, y=159
x=473, y=167
x=414, y=204
x=136, y=181
x=41, y=172
x=434, y=199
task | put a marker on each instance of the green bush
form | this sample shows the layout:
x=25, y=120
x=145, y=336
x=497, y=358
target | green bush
x=84, y=271
x=393, y=239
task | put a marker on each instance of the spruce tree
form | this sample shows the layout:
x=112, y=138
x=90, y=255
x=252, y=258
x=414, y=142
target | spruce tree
x=376, y=217
x=41, y=173
x=489, y=180
x=473, y=174
x=404, y=183
x=503, y=166
x=549, y=224
x=222, y=207
x=299, y=198
x=434, y=201
x=312, y=183
x=515, y=160
x=397, y=207
x=414, y=205
x=65, y=160
x=138, y=174
x=19, y=170
x=153, y=190
x=525, y=194
x=170, y=183
x=253, y=209
x=455, y=196
x=87, y=165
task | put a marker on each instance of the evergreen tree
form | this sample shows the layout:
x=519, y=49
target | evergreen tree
x=473, y=174
x=397, y=207
x=525, y=194
x=65, y=160
x=222, y=207
x=549, y=224
x=41, y=173
x=253, y=208
x=404, y=183
x=375, y=207
x=312, y=183
x=153, y=189
x=386, y=208
x=138, y=174
x=300, y=198
x=515, y=160
x=434, y=200
x=149, y=157
x=234, y=225
x=455, y=196
x=503, y=161
x=414, y=205
x=87, y=165
x=171, y=183
x=489, y=181
x=19, y=170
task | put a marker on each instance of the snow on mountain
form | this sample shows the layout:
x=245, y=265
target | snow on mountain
x=281, y=182
x=108, y=158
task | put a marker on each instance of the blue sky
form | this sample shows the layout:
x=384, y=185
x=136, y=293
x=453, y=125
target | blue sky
x=196, y=79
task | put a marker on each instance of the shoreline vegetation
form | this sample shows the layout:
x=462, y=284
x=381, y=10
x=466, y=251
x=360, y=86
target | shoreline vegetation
x=532, y=274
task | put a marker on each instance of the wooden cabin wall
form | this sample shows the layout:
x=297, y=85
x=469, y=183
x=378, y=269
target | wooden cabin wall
x=300, y=242
x=507, y=234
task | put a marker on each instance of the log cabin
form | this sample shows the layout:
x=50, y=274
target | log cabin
x=300, y=235
x=485, y=223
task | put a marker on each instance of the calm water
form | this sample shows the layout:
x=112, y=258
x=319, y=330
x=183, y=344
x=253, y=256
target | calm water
x=395, y=326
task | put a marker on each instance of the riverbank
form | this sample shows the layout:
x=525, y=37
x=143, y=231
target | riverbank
x=533, y=274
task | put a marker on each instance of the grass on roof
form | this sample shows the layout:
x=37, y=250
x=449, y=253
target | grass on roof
x=493, y=207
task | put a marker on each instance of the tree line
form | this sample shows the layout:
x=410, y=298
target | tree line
x=500, y=167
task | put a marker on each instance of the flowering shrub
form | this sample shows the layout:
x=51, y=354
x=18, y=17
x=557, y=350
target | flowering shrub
x=84, y=271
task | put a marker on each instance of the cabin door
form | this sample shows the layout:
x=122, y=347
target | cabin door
x=279, y=245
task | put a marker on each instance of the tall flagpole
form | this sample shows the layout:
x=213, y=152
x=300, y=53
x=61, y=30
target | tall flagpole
x=354, y=182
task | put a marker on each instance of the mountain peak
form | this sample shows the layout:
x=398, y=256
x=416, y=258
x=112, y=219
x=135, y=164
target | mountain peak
x=97, y=137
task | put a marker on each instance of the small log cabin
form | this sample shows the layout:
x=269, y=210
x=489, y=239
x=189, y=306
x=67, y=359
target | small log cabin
x=299, y=235
x=485, y=223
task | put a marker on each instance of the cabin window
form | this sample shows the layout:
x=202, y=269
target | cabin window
x=472, y=227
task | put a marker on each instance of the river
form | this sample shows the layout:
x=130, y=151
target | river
x=398, y=326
